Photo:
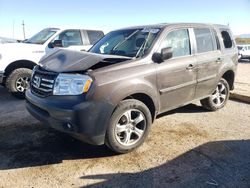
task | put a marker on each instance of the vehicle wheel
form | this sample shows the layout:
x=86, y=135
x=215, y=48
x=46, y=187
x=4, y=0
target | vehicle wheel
x=129, y=126
x=18, y=82
x=219, y=97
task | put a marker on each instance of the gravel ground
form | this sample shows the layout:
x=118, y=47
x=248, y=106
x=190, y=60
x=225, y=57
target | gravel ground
x=187, y=147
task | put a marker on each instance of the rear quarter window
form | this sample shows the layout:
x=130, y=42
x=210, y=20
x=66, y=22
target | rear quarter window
x=227, y=39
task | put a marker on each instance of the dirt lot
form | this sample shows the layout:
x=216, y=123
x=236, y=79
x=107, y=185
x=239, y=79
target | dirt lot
x=187, y=147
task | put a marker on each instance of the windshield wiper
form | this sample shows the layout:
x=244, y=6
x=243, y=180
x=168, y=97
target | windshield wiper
x=143, y=46
x=122, y=42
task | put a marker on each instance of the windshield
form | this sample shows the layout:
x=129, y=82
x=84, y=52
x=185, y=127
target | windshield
x=41, y=37
x=129, y=42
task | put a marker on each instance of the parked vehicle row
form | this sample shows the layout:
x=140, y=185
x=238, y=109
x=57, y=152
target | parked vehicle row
x=18, y=59
x=244, y=52
x=112, y=93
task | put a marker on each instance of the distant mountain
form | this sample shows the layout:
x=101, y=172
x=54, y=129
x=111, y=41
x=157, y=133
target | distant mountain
x=7, y=40
x=243, y=36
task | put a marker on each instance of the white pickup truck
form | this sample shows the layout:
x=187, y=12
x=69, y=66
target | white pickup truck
x=244, y=51
x=18, y=59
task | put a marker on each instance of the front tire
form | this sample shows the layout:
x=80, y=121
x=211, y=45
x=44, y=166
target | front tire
x=18, y=82
x=219, y=97
x=129, y=126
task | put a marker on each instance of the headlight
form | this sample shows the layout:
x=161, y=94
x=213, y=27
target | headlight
x=71, y=84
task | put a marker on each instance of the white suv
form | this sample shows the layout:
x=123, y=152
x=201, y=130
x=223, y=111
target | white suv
x=18, y=59
x=244, y=51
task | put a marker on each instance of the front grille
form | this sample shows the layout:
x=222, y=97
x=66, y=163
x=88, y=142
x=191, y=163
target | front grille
x=42, y=82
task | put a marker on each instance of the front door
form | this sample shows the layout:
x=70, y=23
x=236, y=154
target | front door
x=71, y=39
x=176, y=77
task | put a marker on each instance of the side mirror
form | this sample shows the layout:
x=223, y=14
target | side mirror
x=56, y=43
x=166, y=53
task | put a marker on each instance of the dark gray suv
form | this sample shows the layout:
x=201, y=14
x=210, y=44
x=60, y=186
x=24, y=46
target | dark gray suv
x=113, y=93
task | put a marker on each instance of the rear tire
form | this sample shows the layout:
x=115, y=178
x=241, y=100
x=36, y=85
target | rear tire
x=18, y=82
x=219, y=97
x=129, y=126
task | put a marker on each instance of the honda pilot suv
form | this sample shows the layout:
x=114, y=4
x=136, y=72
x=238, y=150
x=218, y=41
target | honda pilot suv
x=112, y=93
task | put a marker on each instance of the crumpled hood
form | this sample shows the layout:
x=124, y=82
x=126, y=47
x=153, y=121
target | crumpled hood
x=63, y=60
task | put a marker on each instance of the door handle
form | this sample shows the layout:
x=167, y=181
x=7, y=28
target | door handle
x=83, y=50
x=190, y=67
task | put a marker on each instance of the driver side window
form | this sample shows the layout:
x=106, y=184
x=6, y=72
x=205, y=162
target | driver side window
x=70, y=38
x=179, y=41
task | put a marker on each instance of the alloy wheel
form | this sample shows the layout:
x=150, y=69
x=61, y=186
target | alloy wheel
x=220, y=94
x=22, y=84
x=130, y=127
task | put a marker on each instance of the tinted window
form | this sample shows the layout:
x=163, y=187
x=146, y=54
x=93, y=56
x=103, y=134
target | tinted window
x=179, y=41
x=94, y=36
x=70, y=38
x=204, y=40
x=228, y=43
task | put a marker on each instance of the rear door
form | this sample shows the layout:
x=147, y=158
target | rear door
x=176, y=77
x=208, y=57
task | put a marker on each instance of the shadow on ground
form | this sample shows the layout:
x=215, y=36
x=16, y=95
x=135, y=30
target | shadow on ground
x=25, y=142
x=214, y=164
x=190, y=108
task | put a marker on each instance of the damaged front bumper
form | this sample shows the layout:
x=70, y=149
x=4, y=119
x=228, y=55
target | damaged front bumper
x=84, y=120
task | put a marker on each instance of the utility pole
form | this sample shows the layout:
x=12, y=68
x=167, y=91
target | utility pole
x=23, y=30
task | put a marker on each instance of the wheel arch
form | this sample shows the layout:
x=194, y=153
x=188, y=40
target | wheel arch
x=18, y=64
x=147, y=100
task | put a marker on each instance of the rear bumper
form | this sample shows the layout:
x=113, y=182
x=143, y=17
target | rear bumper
x=84, y=120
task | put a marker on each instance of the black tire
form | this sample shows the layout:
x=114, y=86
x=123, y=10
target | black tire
x=210, y=102
x=14, y=77
x=137, y=108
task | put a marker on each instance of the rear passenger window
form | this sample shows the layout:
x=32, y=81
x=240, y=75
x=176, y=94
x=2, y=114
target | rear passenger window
x=179, y=41
x=94, y=36
x=204, y=40
x=227, y=40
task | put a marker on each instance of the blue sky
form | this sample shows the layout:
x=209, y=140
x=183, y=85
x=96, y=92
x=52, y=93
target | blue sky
x=113, y=14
